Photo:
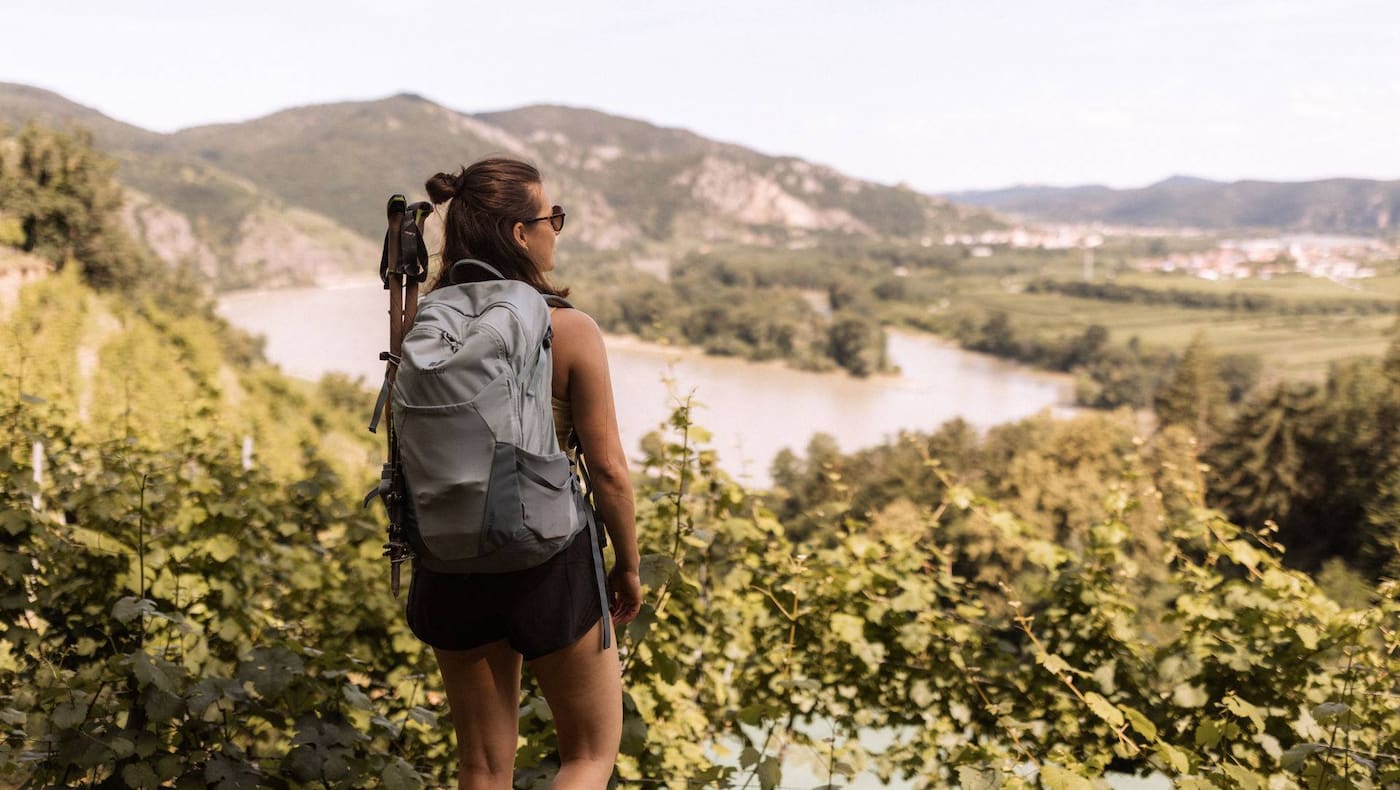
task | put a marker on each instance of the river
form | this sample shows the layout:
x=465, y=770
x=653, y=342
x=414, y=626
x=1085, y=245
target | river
x=753, y=409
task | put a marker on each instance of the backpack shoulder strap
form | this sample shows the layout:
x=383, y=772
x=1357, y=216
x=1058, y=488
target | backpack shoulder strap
x=557, y=301
x=460, y=271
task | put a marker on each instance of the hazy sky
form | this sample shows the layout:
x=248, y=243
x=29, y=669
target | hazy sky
x=940, y=95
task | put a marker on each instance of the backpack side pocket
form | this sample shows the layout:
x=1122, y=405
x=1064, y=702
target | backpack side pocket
x=547, y=495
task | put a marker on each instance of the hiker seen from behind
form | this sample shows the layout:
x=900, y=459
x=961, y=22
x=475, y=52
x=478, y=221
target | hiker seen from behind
x=504, y=414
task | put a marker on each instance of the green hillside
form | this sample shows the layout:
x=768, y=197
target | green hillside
x=20, y=104
x=343, y=160
x=193, y=214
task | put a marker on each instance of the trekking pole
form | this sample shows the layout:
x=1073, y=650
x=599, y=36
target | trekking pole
x=404, y=258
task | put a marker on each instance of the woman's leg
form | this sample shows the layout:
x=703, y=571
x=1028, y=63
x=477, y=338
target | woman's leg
x=583, y=686
x=483, y=692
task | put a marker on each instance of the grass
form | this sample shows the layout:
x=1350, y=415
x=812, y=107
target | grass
x=1291, y=346
x=1298, y=287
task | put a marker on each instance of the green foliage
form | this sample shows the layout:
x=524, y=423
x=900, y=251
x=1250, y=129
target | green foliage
x=1240, y=300
x=1109, y=376
x=868, y=625
x=758, y=309
x=1196, y=394
x=1320, y=461
x=180, y=618
x=177, y=622
x=59, y=191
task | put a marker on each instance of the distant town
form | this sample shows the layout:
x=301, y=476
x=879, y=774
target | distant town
x=1339, y=258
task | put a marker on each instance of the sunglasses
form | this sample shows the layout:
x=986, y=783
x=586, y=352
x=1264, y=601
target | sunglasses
x=555, y=217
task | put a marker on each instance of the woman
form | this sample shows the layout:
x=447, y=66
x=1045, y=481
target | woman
x=547, y=616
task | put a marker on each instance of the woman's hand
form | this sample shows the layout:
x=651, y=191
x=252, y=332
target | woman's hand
x=625, y=594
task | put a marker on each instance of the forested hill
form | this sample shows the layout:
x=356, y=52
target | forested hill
x=1338, y=205
x=301, y=192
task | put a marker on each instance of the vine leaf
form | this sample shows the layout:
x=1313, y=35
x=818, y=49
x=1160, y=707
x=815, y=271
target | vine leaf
x=656, y=570
x=355, y=697
x=974, y=778
x=68, y=714
x=148, y=673
x=1328, y=712
x=1296, y=755
x=1053, y=663
x=1057, y=778
x=271, y=669
x=1243, y=777
x=129, y=607
x=1103, y=708
x=770, y=772
x=848, y=628
x=140, y=775
x=1245, y=710
x=1139, y=722
x=399, y=775
x=1175, y=758
x=225, y=773
x=221, y=548
x=393, y=727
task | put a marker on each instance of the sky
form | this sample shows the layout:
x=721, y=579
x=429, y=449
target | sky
x=938, y=95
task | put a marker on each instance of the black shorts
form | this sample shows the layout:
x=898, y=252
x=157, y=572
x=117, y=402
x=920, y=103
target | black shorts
x=537, y=611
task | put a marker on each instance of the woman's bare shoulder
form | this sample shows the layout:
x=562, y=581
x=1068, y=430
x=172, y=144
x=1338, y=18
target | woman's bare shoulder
x=574, y=324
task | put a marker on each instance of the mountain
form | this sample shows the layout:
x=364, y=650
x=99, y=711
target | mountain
x=1337, y=205
x=22, y=103
x=634, y=181
x=674, y=183
x=300, y=193
x=193, y=213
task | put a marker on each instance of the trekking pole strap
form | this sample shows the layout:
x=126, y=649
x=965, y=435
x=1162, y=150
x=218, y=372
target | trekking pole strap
x=383, y=392
x=410, y=253
x=383, y=488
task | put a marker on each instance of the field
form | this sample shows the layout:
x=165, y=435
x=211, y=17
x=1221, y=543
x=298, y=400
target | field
x=1291, y=346
x=1293, y=340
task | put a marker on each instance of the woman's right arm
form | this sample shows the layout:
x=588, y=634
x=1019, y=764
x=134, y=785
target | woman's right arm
x=589, y=386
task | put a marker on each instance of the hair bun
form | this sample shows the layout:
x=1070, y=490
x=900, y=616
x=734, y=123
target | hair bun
x=443, y=187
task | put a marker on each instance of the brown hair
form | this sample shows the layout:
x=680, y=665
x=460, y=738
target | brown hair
x=487, y=199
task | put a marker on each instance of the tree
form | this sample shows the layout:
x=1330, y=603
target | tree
x=857, y=344
x=1261, y=464
x=61, y=191
x=1391, y=362
x=1353, y=454
x=1085, y=347
x=998, y=337
x=1196, y=394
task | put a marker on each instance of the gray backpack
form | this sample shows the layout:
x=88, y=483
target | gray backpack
x=487, y=486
